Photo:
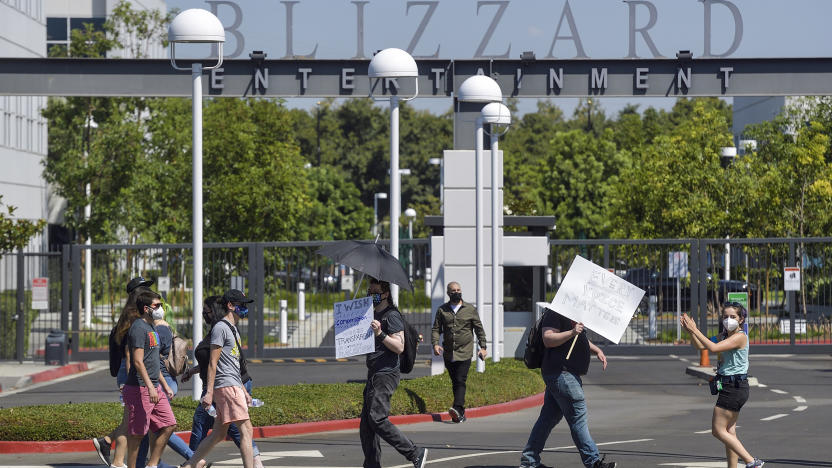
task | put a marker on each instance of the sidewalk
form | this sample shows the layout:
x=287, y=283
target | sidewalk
x=15, y=375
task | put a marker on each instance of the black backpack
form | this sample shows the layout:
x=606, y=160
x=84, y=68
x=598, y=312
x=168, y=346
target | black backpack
x=533, y=356
x=412, y=337
x=116, y=353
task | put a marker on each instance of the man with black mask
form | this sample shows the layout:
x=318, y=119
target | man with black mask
x=382, y=380
x=457, y=321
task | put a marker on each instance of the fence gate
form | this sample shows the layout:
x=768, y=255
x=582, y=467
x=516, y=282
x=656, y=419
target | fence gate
x=30, y=303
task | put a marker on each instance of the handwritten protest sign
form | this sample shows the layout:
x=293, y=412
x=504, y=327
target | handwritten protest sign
x=602, y=301
x=353, y=334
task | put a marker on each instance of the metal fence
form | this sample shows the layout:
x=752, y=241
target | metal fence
x=696, y=276
x=275, y=274
x=23, y=329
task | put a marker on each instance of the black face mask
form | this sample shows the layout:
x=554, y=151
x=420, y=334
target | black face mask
x=456, y=297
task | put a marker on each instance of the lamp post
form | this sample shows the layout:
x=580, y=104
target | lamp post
x=88, y=252
x=479, y=89
x=376, y=197
x=496, y=114
x=390, y=64
x=441, y=163
x=727, y=153
x=196, y=26
x=410, y=213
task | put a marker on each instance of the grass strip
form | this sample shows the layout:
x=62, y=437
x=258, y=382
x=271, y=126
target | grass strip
x=285, y=404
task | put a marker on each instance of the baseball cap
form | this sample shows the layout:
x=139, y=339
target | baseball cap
x=136, y=282
x=235, y=295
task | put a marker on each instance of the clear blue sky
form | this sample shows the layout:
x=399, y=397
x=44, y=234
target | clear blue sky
x=771, y=28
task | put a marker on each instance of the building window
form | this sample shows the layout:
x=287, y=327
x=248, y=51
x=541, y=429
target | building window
x=58, y=33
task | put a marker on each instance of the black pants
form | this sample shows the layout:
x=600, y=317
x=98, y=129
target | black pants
x=375, y=424
x=459, y=375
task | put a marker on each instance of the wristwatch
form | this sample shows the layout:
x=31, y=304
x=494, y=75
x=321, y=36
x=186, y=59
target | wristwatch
x=382, y=336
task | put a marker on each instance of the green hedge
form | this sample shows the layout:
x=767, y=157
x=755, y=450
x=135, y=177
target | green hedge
x=504, y=381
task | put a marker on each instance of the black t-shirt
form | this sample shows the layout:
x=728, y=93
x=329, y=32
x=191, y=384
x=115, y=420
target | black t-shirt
x=382, y=359
x=554, y=359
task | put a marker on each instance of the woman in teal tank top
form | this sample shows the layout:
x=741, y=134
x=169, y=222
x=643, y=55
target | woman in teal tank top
x=731, y=379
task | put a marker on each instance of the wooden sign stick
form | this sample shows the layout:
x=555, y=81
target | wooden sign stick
x=574, y=340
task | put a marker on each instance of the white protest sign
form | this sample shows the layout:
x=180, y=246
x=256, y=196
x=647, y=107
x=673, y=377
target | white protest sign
x=353, y=334
x=600, y=300
x=40, y=293
x=791, y=278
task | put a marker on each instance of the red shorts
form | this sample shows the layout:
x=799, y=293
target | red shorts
x=142, y=414
x=231, y=404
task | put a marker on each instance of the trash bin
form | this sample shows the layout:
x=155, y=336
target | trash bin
x=56, y=348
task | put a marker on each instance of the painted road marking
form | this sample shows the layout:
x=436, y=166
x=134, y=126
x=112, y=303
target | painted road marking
x=697, y=464
x=781, y=392
x=708, y=431
x=480, y=454
x=776, y=416
x=265, y=456
x=800, y=408
x=762, y=385
x=799, y=399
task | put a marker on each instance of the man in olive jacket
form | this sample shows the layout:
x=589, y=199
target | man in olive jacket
x=458, y=321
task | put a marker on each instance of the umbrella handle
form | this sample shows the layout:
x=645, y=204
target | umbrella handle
x=358, y=288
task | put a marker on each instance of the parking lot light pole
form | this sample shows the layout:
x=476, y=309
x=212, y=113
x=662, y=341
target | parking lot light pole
x=198, y=26
x=479, y=89
x=376, y=197
x=496, y=114
x=386, y=66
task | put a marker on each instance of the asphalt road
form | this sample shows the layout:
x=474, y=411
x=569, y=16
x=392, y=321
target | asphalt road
x=644, y=412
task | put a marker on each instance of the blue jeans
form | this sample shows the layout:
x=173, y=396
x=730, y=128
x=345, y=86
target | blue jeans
x=203, y=422
x=175, y=442
x=564, y=398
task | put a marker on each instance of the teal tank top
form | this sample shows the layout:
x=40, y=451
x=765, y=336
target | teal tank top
x=735, y=361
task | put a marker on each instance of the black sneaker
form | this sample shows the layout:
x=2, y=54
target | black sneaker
x=103, y=449
x=420, y=458
x=462, y=417
x=757, y=463
x=602, y=464
x=455, y=415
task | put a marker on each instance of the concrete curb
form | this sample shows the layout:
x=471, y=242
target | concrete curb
x=64, y=446
x=47, y=375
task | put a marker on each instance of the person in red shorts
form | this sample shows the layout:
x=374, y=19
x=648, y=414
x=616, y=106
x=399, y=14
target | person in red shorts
x=147, y=408
x=224, y=385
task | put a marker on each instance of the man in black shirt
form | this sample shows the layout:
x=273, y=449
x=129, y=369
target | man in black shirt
x=382, y=380
x=564, y=397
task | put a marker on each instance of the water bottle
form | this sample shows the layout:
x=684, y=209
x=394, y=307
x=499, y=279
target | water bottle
x=212, y=411
x=256, y=403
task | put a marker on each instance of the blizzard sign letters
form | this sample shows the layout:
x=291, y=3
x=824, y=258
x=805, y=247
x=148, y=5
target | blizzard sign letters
x=353, y=334
x=602, y=301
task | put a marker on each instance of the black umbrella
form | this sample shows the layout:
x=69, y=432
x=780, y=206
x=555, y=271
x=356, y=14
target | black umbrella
x=369, y=258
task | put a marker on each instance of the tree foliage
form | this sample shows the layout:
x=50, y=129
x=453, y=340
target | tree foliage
x=15, y=233
x=270, y=173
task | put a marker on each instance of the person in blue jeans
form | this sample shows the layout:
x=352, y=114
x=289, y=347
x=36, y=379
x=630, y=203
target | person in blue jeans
x=212, y=312
x=564, y=396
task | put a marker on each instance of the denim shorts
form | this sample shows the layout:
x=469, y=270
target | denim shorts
x=732, y=397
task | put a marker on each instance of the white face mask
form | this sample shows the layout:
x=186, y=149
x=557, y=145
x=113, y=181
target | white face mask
x=730, y=324
x=158, y=313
